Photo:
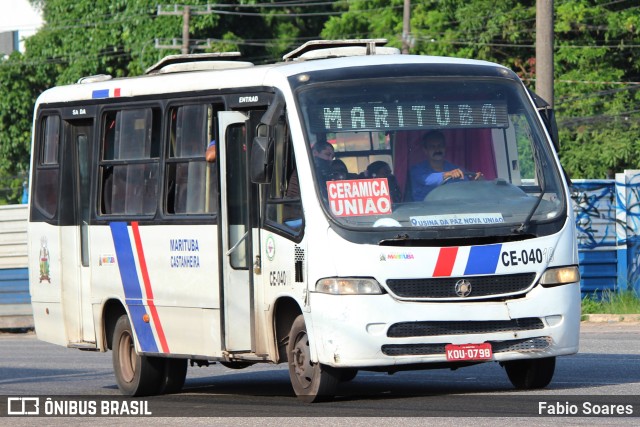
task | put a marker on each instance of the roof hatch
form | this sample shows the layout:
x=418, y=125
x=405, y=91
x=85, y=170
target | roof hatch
x=197, y=62
x=322, y=49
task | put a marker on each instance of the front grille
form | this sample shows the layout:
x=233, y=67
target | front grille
x=444, y=287
x=527, y=344
x=430, y=329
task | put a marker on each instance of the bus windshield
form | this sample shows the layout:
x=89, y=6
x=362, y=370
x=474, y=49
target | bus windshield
x=430, y=153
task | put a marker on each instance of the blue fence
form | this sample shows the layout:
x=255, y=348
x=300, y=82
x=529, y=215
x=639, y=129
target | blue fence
x=608, y=232
x=14, y=286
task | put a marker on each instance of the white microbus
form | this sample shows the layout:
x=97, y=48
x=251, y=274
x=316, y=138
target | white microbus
x=447, y=241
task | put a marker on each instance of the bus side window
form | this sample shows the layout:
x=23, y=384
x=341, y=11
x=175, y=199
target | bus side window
x=191, y=182
x=48, y=167
x=284, y=207
x=129, y=164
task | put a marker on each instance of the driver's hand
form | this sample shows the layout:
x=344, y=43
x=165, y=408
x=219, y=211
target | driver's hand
x=453, y=174
x=478, y=176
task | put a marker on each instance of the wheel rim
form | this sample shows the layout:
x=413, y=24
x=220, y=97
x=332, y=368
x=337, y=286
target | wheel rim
x=127, y=357
x=301, y=360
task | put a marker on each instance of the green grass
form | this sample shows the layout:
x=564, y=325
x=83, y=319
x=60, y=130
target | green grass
x=627, y=302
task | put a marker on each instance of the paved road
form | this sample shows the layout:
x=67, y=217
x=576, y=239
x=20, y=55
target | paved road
x=607, y=367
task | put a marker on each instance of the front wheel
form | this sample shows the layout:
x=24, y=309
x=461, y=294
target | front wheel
x=530, y=374
x=347, y=374
x=136, y=375
x=311, y=381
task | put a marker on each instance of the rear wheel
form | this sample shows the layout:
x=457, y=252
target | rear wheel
x=175, y=372
x=136, y=375
x=311, y=381
x=530, y=373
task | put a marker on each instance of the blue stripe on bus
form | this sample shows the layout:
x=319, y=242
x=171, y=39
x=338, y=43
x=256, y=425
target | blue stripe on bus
x=142, y=329
x=100, y=93
x=126, y=260
x=131, y=285
x=483, y=259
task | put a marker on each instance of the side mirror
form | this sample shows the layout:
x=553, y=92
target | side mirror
x=262, y=154
x=262, y=150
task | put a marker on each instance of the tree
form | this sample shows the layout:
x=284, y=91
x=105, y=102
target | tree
x=597, y=108
x=19, y=87
x=596, y=55
x=118, y=37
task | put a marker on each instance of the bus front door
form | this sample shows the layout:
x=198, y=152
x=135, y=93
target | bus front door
x=74, y=235
x=235, y=234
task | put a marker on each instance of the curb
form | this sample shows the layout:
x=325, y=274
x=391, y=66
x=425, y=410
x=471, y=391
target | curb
x=610, y=318
x=16, y=322
x=16, y=316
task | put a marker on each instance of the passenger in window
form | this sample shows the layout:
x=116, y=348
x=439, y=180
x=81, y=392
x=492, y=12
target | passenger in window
x=210, y=154
x=427, y=175
x=381, y=169
x=293, y=186
x=339, y=171
x=323, y=154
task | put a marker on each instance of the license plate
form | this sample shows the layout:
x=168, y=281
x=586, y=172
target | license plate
x=468, y=351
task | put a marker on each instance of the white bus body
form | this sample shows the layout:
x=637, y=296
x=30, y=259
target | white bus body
x=139, y=245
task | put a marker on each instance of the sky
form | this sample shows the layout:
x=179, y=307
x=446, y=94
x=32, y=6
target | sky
x=19, y=15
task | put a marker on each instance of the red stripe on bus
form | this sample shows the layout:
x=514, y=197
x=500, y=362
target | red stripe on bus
x=147, y=287
x=446, y=259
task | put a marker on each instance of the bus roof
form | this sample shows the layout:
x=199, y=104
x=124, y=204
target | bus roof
x=227, y=76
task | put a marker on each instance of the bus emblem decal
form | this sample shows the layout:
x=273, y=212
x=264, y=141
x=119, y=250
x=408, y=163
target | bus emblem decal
x=463, y=288
x=270, y=248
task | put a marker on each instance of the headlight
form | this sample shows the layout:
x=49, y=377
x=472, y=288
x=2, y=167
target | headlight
x=560, y=276
x=348, y=286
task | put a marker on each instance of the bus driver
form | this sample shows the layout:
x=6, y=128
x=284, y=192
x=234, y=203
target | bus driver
x=427, y=175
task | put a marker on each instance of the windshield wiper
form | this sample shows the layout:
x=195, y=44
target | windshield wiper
x=522, y=228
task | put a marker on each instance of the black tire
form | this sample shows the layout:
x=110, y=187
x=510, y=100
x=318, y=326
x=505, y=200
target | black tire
x=312, y=382
x=175, y=373
x=136, y=375
x=531, y=374
x=347, y=374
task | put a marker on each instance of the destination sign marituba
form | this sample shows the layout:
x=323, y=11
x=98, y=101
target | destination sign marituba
x=407, y=116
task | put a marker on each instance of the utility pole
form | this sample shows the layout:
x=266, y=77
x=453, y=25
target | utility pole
x=406, y=26
x=544, y=50
x=186, y=13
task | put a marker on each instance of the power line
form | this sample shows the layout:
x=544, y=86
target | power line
x=574, y=121
x=208, y=7
x=599, y=93
x=123, y=18
x=592, y=82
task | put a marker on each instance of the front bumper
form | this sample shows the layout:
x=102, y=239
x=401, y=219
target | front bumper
x=362, y=330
